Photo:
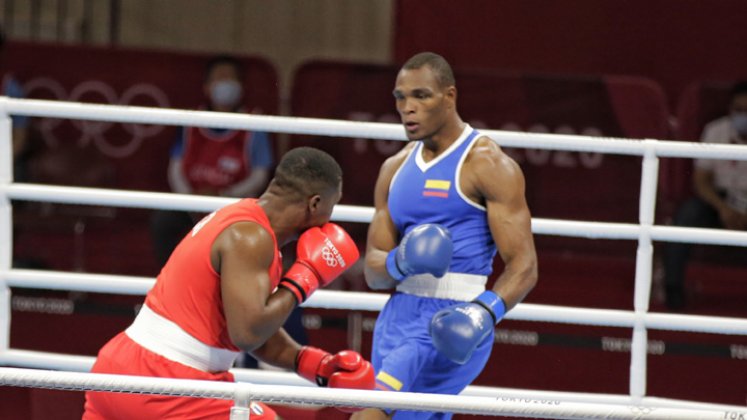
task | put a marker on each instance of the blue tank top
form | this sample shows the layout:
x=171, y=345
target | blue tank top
x=428, y=192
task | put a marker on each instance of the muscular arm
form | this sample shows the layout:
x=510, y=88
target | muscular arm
x=279, y=350
x=382, y=234
x=242, y=255
x=501, y=183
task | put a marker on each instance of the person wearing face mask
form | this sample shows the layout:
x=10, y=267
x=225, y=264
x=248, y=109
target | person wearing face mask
x=720, y=198
x=208, y=161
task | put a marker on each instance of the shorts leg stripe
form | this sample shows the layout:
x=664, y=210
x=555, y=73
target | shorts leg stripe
x=390, y=380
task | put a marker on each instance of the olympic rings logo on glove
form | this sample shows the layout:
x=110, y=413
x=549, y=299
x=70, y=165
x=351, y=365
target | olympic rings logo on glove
x=331, y=255
x=47, y=88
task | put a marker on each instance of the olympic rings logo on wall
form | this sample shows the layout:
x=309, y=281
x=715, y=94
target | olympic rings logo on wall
x=96, y=131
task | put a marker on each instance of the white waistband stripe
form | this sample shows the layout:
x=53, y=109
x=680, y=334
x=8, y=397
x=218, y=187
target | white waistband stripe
x=165, y=338
x=458, y=286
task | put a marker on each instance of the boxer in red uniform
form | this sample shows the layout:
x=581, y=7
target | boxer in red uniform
x=222, y=291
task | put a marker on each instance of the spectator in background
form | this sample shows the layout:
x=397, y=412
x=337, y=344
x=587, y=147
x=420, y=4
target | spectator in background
x=217, y=162
x=13, y=89
x=720, y=198
x=21, y=148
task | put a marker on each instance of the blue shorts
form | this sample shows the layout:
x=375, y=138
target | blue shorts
x=404, y=357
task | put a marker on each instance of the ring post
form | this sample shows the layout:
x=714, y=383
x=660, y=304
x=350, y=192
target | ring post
x=6, y=222
x=241, y=401
x=643, y=270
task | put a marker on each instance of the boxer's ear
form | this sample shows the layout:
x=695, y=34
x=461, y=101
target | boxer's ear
x=313, y=203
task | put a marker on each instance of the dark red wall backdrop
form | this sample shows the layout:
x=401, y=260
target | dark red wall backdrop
x=673, y=42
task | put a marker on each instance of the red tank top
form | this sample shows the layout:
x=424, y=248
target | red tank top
x=188, y=291
x=215, y=159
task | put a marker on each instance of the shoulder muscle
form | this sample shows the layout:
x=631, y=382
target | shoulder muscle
x=495, y=175
x=247, y=241
x=386, y=173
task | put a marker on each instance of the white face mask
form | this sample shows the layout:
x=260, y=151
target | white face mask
x=739, y=121
x=225, y=93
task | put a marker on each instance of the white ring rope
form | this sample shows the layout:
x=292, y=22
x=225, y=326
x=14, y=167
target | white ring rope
x=368, y=301
x=644, y=232
x=348, y=213
x=41, y=360
x=355, y=129
x=519, y=407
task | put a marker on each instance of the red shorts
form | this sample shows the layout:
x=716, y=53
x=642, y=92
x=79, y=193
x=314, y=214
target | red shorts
x=123, y=356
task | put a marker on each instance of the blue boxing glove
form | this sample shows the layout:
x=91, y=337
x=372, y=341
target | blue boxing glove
x=425, y=249
x=457, y=330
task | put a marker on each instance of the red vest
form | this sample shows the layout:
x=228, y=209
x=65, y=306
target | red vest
x=188, y=290
x=215, y=160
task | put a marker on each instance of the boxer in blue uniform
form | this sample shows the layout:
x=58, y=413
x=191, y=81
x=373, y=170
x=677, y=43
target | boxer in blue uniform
x=445, y=204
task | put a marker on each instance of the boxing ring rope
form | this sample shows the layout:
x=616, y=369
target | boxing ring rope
x=346, y=397
x=366, y=301
x=347, y=213
x=640, y=320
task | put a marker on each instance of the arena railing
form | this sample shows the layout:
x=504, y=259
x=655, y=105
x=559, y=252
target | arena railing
x=645, y=232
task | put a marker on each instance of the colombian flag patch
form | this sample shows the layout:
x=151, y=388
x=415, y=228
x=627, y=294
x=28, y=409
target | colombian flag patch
x=436, y=188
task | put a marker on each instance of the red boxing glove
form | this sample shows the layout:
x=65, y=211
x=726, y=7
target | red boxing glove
x=346, y=369
x=323, y=253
